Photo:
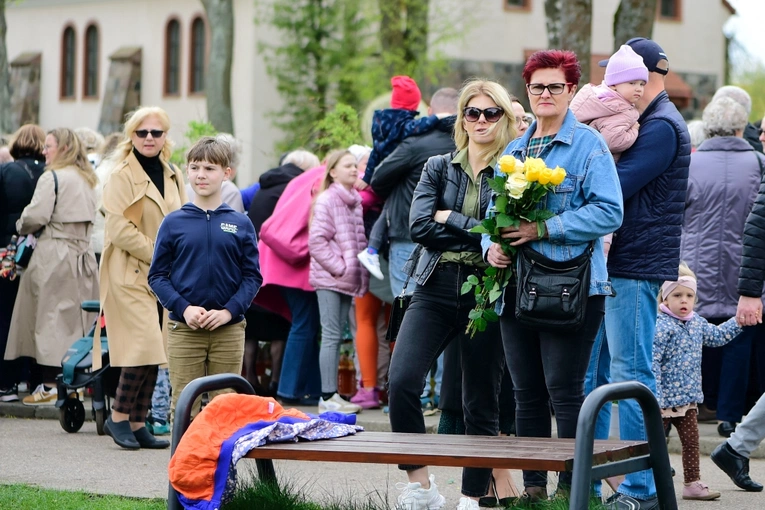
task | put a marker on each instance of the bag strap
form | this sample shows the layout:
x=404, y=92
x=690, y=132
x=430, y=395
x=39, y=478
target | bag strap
x=55, y=188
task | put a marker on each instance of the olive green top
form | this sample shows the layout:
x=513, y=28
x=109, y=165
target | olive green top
x=471, y=207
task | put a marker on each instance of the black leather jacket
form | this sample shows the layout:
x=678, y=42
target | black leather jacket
x=397, y=175
x=443, y=186
x=751, y=276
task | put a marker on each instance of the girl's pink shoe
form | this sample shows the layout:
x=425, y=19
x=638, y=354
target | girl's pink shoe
x=700, y=491
x=366, y=398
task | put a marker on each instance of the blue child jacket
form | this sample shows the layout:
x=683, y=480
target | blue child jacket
x=207, y=259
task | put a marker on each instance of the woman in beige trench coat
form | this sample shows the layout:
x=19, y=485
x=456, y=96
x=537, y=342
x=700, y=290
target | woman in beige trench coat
x=62, y=273
x=140, y=191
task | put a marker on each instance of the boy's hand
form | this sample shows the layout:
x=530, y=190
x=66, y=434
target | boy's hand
x=360, y=185
x=193, y=316
x=215, y=318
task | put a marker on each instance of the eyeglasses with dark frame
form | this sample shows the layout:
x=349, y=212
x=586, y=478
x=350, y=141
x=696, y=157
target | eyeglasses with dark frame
x=143, y=133
x=493, y=114
x=555, y=89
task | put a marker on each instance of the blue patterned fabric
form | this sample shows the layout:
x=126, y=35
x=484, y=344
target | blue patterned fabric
x=677, y=356
x=389, y=128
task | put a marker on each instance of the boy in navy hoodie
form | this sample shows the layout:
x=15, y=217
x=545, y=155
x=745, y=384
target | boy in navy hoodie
x=205, y=272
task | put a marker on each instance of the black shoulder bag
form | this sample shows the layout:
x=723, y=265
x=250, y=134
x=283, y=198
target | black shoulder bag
x=552, y=295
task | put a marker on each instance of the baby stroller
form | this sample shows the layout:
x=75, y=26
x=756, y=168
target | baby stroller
x=77, y=374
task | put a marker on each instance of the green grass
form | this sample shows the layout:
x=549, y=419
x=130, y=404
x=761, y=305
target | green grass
x=256, y=495
x=24, y=497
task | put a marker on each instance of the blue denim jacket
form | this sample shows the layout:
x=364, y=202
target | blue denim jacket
x=588, y=203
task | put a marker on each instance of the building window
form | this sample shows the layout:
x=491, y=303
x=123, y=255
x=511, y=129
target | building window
x=91, y=62
x=198, y=54
x=517, y=5
x=173, y=58
x=68, y=44
x=669, y=10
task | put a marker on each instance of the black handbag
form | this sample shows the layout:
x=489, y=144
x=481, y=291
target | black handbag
x=397, y=311
x=552, y=295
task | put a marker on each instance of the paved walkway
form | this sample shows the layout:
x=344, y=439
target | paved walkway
x=39, y=452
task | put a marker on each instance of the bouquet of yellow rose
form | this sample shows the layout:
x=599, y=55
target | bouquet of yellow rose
x=517, y=193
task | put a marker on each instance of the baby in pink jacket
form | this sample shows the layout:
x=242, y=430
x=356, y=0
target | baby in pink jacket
x=610, y=107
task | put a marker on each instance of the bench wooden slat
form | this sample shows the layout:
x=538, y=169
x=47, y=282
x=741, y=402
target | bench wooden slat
x=449, y=450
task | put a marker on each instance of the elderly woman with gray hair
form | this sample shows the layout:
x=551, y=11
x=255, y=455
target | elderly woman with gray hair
x=724, y=177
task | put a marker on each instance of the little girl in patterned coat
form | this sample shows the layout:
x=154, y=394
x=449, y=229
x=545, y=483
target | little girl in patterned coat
x=680, y=334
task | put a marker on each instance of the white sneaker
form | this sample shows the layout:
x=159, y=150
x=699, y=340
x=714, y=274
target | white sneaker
x=414, y=497
x=372, y=263
x=337, y=404
x=468, y=504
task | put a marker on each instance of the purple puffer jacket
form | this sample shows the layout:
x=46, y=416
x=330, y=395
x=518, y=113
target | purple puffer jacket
x=335, y=237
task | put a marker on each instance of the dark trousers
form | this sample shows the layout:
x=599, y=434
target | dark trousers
x=134, y=391
x=9, y=369
x=437, y=315
x=553, y=363
x=725, y=374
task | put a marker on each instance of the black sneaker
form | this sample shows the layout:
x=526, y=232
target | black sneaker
x=622, y=502
x=9, y=394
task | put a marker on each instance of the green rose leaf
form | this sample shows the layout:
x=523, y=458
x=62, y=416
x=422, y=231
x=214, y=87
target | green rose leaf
x=466, y=287
x=494, y=295
x=503, y=220
x=491, y=271
x=472, y=279
x=490, y=315
x=480, y=324
x=479, y=229
x=474, y=314
x=501, y=203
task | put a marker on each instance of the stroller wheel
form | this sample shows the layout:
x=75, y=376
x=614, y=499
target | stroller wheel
x=101, y=415
x=72, y=415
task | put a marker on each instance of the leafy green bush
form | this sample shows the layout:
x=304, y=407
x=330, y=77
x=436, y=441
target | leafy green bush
x=196, y=130
x=338, y=129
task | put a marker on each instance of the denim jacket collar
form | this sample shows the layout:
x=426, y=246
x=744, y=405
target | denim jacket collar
x=565, y=133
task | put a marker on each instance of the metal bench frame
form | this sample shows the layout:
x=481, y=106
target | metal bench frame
x=583, y=472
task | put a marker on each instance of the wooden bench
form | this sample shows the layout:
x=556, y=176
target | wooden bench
x=587, y=458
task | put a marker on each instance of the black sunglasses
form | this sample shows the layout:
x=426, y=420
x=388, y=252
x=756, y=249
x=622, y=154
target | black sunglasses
x=493, y=114
x=143, y=133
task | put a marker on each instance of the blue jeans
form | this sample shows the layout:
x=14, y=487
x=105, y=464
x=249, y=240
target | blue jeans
x=300, y=366
x=399, y=254
x=630, y=328
x=598, y=374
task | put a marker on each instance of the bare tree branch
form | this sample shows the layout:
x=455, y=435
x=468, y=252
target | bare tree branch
x=633, y=18
x=5, y=76
x=576, y=31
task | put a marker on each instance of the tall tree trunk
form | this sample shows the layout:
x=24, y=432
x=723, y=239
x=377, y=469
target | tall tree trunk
x=5, y=76
x=576, y=32
x=552, y=22
x=416, y=36
x=633, y=18
x=220, y=15
x=391, y=32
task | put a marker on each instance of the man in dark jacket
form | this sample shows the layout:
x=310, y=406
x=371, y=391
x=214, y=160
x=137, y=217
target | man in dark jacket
x=733, y=455
x=396, y=177
x=645, y=251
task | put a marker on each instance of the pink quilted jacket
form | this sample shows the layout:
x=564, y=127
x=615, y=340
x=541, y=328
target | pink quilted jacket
x=609, y=113
x=335, y=237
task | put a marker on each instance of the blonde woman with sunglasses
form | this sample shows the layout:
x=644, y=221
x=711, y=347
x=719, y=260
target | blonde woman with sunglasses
x=140, y=191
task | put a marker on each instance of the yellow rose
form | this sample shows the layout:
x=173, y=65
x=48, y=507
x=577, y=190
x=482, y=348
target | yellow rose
x=516, y=184
x=544, y=176
x=533, y=168
x=558, y=174
x=507, y=164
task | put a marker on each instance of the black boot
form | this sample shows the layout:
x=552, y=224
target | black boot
x=146, y=440
x=121, y=433
x=736, y=466
x=726, y=428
